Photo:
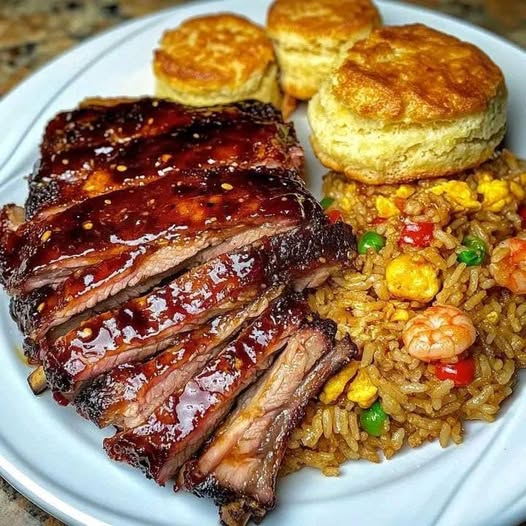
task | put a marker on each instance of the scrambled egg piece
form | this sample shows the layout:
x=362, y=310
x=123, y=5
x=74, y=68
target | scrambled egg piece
x=404, y=191
x=362, y=390
x=411, y=277
x=385, y=207
x=517, y=190
x=496, y=193
x=458, y=193
x=336, y=385
x=400, y=315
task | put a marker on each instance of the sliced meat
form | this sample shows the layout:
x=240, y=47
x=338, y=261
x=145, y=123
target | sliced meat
x=97, y=125
x=239, y=466
x=128, y=394
x=137, y=271
x=74, y=175
x=185, y=420
x=170, y=211
x=143, y=326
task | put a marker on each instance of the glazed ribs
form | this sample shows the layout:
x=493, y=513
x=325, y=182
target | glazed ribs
x=128, y=394
x=99, y=149
x=239, y=466
x=157, y=273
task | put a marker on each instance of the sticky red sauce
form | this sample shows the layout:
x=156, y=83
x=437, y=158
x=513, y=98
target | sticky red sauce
x=60, y=399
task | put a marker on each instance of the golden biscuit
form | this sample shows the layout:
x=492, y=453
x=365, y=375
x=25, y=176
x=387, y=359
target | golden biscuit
x=407, y=103
x=309, y=35
x=216, y=59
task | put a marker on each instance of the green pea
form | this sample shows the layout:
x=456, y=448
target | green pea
x=374, y=420
x=475, y=243
x=470, y=257
x=326, y=202
x=369, y=240
x=475, y=252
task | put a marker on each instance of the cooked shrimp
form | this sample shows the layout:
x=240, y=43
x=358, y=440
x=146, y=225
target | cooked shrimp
x=439, y=333
x=508, y=264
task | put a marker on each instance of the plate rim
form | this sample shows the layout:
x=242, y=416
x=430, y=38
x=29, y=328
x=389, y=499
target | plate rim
x=22, y=483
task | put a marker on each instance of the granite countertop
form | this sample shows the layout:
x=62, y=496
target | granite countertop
x=34, y=31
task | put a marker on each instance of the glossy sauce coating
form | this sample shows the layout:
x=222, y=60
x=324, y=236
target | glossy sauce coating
x=154, y=319
x=165, y=211
x=125, y=394
x=144, y=325
x=69, y=177
x=183, y=422
x=97, y=125
x=42, y=309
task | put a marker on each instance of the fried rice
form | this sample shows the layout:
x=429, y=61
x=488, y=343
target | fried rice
x=485, y=203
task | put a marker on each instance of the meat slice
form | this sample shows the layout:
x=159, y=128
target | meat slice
x=240, y=464
x=145, y=325
x=137, y=271
x=128, y=394
x=185, y=420
x=97, y=125
x=65, y=178
x=170, y=211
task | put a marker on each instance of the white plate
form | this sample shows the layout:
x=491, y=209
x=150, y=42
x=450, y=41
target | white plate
x=55, y=458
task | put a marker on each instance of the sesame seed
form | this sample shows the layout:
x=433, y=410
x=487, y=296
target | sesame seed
x=41, y=307
x=121, y=168
x=284, y=199
x=107, y=201
x=87, y=225
x=85, y=333
x=150, y=120
x=322, y=260
x=46, y=235
x=155, y=103
x=227, y=186
x=65, y=161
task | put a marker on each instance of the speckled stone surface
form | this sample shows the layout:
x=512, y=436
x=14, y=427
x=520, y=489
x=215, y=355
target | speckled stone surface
x=34, y=31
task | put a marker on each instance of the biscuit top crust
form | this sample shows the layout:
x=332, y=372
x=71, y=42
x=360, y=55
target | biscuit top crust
x=213, y=52
x=310, y=19
x=415, y=74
